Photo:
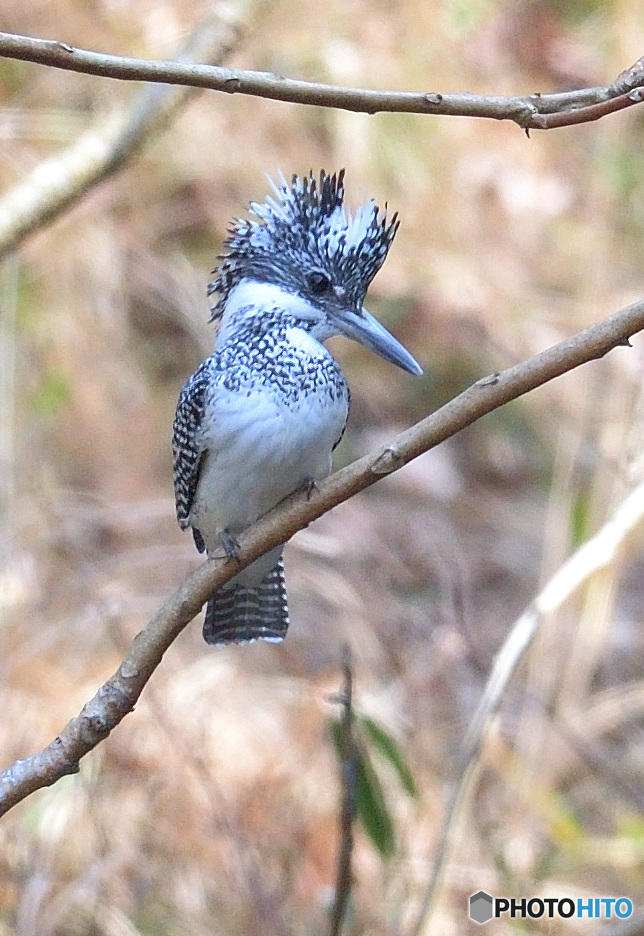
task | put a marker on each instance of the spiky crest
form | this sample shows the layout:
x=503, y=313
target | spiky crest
x=305, y=227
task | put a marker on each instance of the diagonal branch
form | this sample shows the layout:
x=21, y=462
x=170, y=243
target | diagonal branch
x=532, y=112
x=103, y=149
x=119, y=694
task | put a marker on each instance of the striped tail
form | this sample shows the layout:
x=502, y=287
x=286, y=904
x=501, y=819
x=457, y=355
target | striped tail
x=240, y=614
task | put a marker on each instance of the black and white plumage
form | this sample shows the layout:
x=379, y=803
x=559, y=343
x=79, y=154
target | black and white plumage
x=261, y=416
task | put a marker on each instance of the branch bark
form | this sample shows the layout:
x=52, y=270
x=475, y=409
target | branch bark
x=119, y=694
x=531, y=112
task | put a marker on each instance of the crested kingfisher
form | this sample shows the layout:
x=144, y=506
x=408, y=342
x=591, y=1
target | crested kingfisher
x=259, y=419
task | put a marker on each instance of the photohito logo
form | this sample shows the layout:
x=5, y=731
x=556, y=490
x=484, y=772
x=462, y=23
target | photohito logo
x=484, y=907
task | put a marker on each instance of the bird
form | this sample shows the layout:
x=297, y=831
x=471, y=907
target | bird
x=260, y=417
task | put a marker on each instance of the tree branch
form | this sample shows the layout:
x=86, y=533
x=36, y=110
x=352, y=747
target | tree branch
x=593, y=555
x=348, y=769
x=119, y=694
x=59, y=182
x=531, y=112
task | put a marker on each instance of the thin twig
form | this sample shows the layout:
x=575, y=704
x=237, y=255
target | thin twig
x=119, y=694
x=529, y=111
x=59, y=182
x=348, y=809
x=595, y=554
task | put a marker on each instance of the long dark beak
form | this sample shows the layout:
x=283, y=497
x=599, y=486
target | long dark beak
x=369, y=332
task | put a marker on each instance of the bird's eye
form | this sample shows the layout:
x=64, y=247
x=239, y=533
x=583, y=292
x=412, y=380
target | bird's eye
x=318, y=282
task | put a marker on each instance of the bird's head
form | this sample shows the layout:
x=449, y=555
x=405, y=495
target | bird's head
x=307, y=254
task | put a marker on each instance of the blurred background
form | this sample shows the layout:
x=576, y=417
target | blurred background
x=213, y=808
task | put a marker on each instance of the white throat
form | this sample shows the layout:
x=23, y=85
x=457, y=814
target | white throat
x=250, y=299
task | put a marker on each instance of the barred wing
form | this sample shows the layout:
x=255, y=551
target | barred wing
x=186, y=448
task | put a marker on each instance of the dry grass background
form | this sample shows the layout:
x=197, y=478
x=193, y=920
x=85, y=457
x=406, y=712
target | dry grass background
x=213, y=808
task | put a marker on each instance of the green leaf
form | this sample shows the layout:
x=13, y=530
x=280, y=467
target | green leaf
x=388, y=748
x=371, y=806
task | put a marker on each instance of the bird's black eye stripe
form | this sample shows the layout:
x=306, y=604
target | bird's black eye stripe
x=318, y=282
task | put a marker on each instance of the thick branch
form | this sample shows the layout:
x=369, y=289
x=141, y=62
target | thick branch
x=119, y=694
x=532, y=112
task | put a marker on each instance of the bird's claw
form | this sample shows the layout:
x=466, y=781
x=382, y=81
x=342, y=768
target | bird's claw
x=230, y=545
x=309, y=486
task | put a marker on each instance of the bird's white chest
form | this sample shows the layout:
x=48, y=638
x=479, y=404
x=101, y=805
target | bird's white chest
x=260, y=443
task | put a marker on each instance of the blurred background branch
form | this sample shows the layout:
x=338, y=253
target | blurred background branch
x=348, y=769
x=599, y=552
x=57, y=183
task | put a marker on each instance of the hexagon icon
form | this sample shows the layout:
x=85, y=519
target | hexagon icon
x=481, y=907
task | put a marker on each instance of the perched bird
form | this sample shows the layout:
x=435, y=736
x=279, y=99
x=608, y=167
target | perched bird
x=261, y=416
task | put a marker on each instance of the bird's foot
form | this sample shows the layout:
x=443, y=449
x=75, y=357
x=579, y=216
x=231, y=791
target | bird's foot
x=309, y=485
x=230, y=544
